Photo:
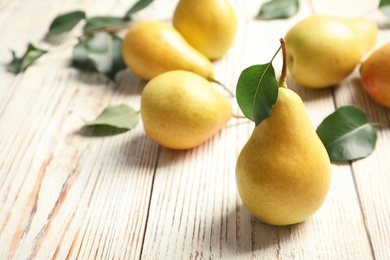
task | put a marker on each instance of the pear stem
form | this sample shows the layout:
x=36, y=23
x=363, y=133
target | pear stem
x=222, y=85
x=238, y=116
x=111, y=30
x=283, y=76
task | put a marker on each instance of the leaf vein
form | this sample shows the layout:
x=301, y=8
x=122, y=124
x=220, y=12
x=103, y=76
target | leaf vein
x=348, y=134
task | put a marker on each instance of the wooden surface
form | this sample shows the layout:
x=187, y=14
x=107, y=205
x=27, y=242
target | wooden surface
x=67, y=193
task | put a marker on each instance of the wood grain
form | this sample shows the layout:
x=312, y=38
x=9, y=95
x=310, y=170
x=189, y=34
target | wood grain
x=72, y=192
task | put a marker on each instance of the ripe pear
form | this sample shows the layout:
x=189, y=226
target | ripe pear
x=151, y=48
x=322, y=50
x=375, y=75
x=208, y=25
x=283, y=173
x=181, y=110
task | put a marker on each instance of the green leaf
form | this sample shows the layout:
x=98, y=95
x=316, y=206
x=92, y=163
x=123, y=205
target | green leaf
x=104, y=22
x=278, y=9
x=20, y=64
x=386, y=11
x=384, y=6
x=120, y=116
x=31, y=55
x=138, y=6
x=65, y=22
x=384, y=3
x=257, y=91
x=101, y=52
x=347, y=134
x=100, y=131
x=15, y=63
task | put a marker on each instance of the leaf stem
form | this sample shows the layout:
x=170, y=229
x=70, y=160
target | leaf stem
x=381, y=124
x=283, y=76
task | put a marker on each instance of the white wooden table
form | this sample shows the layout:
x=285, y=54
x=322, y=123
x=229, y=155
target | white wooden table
x=66, y=193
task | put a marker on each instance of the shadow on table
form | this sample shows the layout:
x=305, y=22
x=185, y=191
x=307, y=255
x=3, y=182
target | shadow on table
x=125, y=83
x=177, y=160
x=240, y=233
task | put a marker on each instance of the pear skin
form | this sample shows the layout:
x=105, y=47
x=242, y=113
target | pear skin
x=181, y=110
x=365, y=31
x=283, y=173
x=322, y=50
x=151, y=48
x=208, y=25
x=375, y=75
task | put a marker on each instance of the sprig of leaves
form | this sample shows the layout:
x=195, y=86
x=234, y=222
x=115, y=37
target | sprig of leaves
x=347, y=134
x=66, y=22
x=95, y=51
x=278, y=9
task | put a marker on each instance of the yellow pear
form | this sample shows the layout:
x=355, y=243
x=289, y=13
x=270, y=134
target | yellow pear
x=181, y=110
x=283, y=173
x=208, y=25
x=375, y=75
x=322, y=50
x=151, y=48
